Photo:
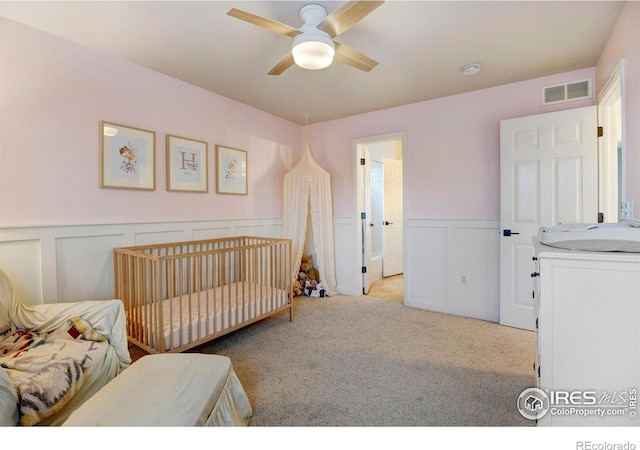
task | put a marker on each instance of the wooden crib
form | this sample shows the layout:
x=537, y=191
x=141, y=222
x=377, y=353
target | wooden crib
x=180, y=295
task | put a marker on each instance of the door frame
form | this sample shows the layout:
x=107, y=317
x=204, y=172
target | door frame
x=607, y=148
x=358, y=201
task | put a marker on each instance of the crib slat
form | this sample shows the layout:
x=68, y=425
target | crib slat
x=203, y=289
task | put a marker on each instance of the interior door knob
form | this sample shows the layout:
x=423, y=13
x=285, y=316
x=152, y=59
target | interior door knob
x=387, y=223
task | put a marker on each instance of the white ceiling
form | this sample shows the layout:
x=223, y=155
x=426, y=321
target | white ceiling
x=421, y=47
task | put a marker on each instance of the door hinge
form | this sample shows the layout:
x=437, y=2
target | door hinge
x=600, y=217
x=362, y=162
x=600, y=131
x=364, y=269
x=363, y=215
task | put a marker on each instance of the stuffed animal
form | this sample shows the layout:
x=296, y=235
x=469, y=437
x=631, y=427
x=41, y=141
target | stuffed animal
x=306, y=266
x=314, y=289
x=297, y=288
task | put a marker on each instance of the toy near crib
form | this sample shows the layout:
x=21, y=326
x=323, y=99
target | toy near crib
x=309, y=278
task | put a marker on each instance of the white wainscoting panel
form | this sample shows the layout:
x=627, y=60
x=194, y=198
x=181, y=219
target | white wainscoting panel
x=85, y=266
x=477, y=275
x=20, y=259
x=159, y=237
x=427, y=270
x=348, y=265
x=453, y=266
x=62, y=263
x=211, y=233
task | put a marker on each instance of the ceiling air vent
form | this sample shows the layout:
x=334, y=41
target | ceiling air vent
x=566, y=92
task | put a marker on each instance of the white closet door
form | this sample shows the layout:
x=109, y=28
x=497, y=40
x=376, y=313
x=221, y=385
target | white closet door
x=548, y=175
x=392, y=261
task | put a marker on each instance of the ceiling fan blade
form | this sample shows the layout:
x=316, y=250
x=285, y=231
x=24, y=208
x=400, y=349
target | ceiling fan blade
x=263, y=22
x=347, y=16
x=354, y=58
x=282, y=65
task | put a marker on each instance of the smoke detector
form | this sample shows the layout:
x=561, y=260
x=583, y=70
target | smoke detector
x=471, y=69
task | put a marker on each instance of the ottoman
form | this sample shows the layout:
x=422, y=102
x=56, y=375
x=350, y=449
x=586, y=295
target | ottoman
x=171, y=389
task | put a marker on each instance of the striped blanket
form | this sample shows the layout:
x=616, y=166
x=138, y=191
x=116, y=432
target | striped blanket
x=48, y=369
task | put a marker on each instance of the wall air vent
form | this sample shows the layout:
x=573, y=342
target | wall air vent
x=566, y=92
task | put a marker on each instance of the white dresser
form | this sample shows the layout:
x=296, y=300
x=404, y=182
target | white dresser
x=587, y=307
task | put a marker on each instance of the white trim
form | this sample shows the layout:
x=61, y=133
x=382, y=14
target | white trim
x=57, y=263
x=402, y=135
x=608, y=186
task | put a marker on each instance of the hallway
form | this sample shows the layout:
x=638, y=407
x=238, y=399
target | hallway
x=391, y=288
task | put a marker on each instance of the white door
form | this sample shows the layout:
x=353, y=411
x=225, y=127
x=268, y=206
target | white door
x=611, y=146
x=365, y=177
x=548, y=175
x=392, y=260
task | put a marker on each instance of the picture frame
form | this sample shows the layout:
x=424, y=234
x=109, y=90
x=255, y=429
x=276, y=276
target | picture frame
x=187, y=165
x=231, y=171
x=127, y=157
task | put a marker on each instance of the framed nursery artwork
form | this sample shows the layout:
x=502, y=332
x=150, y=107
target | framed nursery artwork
x=187, y=165
x=127, y=157
x=231, y=171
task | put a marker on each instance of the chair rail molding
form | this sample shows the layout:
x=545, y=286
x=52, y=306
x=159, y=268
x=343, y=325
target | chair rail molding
x=61, y=263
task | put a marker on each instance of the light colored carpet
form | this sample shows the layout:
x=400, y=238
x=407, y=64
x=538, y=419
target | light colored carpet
x=365, y=361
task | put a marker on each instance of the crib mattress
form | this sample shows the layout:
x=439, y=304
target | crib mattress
x=177, y=389
x=595, y=237
x=190, y=317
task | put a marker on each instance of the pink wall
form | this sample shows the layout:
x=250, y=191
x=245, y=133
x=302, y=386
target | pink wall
x=624, y=42
x=54, y=93
x=453, y=150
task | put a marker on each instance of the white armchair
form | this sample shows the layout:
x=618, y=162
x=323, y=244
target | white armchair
x=98, y=323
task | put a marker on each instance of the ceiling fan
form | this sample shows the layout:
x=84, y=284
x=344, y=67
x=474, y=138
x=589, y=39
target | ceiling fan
x=313, y=46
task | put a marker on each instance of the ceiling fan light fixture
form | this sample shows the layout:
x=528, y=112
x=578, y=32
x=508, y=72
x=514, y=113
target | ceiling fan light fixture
x=313, y=46
x=313, y=51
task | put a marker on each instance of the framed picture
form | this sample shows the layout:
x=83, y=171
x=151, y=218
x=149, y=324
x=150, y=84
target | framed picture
x=127, y=157
x=231, y=171
x=187, y=166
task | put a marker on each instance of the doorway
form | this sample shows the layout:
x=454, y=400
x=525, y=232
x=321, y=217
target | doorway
x=389, y=288
x=380, y=206
x=611, y=150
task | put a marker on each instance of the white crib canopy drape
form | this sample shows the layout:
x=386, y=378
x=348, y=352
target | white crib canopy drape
x=307, y=194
